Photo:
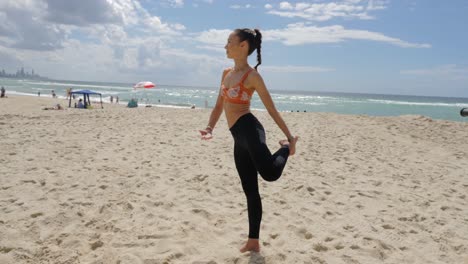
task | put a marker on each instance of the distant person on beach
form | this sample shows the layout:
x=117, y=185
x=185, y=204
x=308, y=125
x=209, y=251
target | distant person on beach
x=132, y=103
x=2, y=92
x=80, y=103
x=116, y=99
x=112, y=99
x=69, y=91
x=251, y=154
x=53, y=94
x=56, y=107
x=38, y=93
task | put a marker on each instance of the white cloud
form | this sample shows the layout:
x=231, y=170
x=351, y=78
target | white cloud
x=301, y=6
x=47, y=24
x=125, y=41
x=353, y=1
x=71, y=62
x=149, y=54
x=203, y=1
x=214, y=37
x=300, y=34
x=178, y=27
x=85, y=12
x=22, y=24
x=153, y=23
x=110, y=34
x=376, y=5
x=124, y=61
x=327, y=11
x=449, y=71
x=212, y=48
x=9, y=62
x=303, y=34
x=285, y=6
x=247, y=6
x=22, y=4
x=295, y=69
x=122, y=40
x=175, y=3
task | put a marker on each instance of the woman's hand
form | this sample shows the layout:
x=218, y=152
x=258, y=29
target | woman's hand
x=206, y=134
x=290, y=143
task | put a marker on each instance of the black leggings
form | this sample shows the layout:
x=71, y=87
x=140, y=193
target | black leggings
x=252, y=155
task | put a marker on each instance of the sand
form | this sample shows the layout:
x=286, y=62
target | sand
x=119, y=185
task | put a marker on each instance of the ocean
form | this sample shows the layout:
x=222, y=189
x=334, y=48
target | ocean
x=446, y=108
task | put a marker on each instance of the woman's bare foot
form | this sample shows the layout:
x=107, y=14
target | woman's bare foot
x=251, y=245
x=291, y=145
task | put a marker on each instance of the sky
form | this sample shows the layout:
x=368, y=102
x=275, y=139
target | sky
x=409, y=47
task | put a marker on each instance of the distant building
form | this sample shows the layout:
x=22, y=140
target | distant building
x=21, y=74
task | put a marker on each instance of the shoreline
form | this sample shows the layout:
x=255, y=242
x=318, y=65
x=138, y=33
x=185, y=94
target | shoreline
x=96, y=101
x=171, y=106
x=140, y=186
x=440, y=108
x=301, y=92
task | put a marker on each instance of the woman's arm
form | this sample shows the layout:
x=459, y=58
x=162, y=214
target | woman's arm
x=256, y=81
x=215, y=113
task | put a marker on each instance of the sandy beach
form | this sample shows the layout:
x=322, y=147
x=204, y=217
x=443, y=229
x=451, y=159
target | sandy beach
x=120, y=185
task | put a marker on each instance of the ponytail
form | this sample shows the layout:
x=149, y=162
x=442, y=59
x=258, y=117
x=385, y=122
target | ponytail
x=258, y=42
x=254, y=38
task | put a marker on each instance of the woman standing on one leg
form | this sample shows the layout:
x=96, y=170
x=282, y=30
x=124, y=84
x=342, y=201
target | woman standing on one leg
x=251, y=153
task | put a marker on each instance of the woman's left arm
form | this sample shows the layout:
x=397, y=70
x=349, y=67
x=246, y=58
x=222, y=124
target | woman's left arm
x=258, y=84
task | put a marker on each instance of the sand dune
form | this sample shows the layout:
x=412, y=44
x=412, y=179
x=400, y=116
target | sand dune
x=125, y=185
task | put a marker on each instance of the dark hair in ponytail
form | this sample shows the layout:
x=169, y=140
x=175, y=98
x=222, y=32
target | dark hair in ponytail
x=254, y=38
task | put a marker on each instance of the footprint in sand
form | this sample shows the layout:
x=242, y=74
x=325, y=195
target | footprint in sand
x=274, y=236
x=200, y=177
x=320, y=248
x=311, y=190
x=172, y=257
x=339, y=246
x=129, y=259
x=234, y=260
x=304, y=233
x=159, y=236
x=350, y=260
x=95, y=245
x=202, y=212
x=414, y=218
x=443, y=208
x=36, y=215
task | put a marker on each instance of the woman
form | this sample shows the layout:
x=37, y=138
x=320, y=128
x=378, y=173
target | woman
x=251, y=153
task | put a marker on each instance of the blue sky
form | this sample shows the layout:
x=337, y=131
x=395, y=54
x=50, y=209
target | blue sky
x=412, y=47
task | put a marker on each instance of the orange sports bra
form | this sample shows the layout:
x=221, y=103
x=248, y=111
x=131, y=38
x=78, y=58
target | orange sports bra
x=238, y=94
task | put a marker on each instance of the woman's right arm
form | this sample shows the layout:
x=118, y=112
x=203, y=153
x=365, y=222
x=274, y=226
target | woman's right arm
x=207, y=133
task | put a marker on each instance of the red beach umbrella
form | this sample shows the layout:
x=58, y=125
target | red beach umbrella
x=145, y=85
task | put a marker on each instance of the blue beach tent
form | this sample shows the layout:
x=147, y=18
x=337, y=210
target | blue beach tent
x=85, y=93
